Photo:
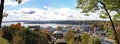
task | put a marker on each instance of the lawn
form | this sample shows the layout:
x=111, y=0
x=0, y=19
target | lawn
x=3, y=41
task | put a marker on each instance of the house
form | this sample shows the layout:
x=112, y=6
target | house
x=35, y=28
x=117, y=28
x=50, y=29
x=58, y=34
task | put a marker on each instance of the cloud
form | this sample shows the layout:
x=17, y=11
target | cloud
x=13, y=2
x=50, y=14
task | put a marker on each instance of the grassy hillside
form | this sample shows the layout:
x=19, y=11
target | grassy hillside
x=3, y=41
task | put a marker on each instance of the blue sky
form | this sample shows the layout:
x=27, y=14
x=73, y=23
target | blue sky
x=41, y=3
x=46, y=10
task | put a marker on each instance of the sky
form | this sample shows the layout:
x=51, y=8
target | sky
x=46, y=10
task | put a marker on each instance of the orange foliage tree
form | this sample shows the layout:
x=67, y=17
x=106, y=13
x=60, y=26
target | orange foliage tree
x=16, y=26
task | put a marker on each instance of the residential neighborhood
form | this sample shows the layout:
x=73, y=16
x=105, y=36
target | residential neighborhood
x=59, y=21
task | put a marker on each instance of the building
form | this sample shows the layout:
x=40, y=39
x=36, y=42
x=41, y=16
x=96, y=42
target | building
x=35, y=28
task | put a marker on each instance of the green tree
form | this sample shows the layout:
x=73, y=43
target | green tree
x=0, y=33
x=94, y=5
x=47, y=35
x=24, y=36
x=109, y=33
x=94, y=40
x=59, y=28
x=69, y=37
x=2, y=7
x=8, y=33
x=27, y=36
x=115, y=17
x=84, y=38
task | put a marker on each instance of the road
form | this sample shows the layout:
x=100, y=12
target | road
x=104, y=40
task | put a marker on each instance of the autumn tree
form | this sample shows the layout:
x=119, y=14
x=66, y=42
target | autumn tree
x=118, y=33
x=16, y=26
x=94, y=5
x=2, y=7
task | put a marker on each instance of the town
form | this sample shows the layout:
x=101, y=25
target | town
x=59, y=33
x=59, y=21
